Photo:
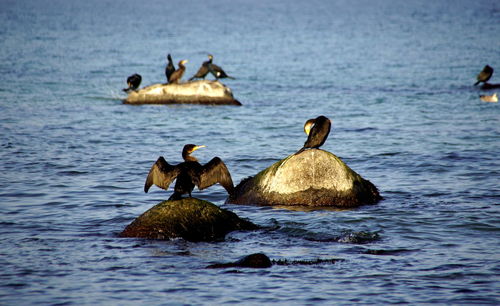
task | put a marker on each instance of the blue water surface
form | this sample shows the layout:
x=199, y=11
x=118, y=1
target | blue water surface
x=395, y=77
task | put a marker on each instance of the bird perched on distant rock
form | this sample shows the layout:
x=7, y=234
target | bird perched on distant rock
x=491, y=98
x=317, y=131
x=484, y=75
x=177, y=75
x=204, y=69
x=133, y=82
x=170, y=68
x=217, y=71
x=209, y=66
x=188, y=174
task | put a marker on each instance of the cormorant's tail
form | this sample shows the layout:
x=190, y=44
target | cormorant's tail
x=477, y=83
x=300, y=151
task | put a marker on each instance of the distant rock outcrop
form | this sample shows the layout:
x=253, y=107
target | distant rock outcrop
x=195, y=92
x=311, y=178
x=190, y=218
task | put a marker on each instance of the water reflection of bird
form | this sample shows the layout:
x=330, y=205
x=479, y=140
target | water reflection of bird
x=177, y=74
x=491, y=98
x=484, y=75
x=317, y=131
x=170, y=68
x=188, y=174
x=133, y=82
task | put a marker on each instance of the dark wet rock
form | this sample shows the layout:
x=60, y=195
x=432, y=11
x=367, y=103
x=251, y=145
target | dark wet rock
x=195, y=92
x=257, y=260
x=260, y=260
x=487, y=86
x=286, y=262
x=190, y=218
x=311, y=178
x=386, y=252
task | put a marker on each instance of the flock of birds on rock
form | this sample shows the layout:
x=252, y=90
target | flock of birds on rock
x=175, y=75
x=191, y=173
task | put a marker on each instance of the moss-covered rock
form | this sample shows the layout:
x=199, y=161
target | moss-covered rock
x=189, y=218
x=312, y=178
x=195, y=92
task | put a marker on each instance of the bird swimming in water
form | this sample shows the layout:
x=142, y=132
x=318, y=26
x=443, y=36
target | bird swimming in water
x=317, y=131
x=170, y=68
x=484, y=75
x=188, y=174
x=204, y=69
x=133, y=82
x=492, y=98
x=177, y=74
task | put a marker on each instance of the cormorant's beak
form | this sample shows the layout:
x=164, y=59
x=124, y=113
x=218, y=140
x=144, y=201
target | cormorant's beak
x=198, y=147
x=308, y=126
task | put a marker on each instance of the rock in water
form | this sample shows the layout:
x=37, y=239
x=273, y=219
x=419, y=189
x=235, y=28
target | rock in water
x=312, y=178
x=189, y=218
x=195, y=92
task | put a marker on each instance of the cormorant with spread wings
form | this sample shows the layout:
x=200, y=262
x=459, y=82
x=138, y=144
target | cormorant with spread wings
x=188, y=174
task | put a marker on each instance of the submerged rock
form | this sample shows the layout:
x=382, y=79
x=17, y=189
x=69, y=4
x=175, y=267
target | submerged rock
x=190, y=218
x=312, y=178
x=257, y=260
x=195, y=92
x=261, y=260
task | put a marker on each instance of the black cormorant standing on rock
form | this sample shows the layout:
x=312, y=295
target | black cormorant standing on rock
x=177, y=75
x=170, y=68
x=484, y=75
x=218, y=72
x=204, y=69
x=209, y=66
x=188, y=174
x=133, y=82
x=317, y=131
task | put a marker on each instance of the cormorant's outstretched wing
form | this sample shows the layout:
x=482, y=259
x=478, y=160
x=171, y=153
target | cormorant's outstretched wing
x=202, y=72
x=215, y=171
x=218, y=72
x=162, y=174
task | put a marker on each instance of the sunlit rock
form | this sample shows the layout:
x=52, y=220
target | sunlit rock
x=313, y=178
x=195, y=92
x=189, y=218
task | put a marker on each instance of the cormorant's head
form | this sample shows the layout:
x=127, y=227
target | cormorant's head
x=169, y=57
x=210, y=57
x=190, y=148
x=181, y=63
x=308, y=126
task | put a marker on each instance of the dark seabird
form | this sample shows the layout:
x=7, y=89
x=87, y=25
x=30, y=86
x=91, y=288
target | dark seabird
x=133, y=82
x=204, y=69
x=484, y=75
x=177, y=75
x=317, y=131
x=188, y=174
x=217, y=71
x=170, y=68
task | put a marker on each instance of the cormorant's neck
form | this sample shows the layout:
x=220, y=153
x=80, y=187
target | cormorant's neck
x=188, y=157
